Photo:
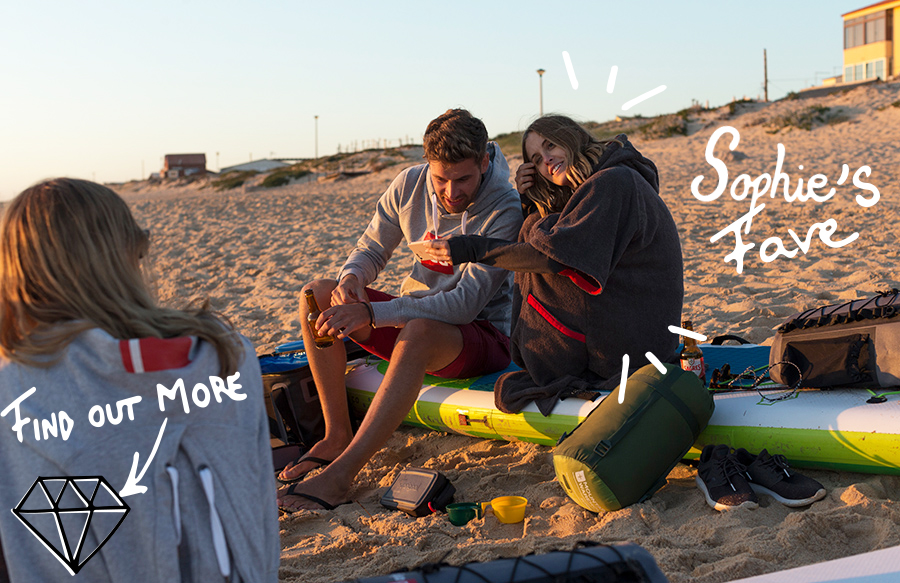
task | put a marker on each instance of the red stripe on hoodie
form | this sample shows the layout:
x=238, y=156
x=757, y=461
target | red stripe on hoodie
x=588, y=284
x=553, y=321
x=125, y=351
x=157, y=354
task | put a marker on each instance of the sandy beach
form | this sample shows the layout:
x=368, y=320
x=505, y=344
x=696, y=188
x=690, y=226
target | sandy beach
x=251, y=249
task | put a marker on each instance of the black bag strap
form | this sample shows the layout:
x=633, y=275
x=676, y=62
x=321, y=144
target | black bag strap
x=443, y=496
x=665, y=389
x=718, y=340
x=285, y=418
x=604, y=446
x=883, y=305
x=662, y=388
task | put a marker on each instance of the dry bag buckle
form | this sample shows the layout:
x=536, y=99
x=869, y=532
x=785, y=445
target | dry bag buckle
x=602, y=448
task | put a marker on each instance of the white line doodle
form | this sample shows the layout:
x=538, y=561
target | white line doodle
x=131, y=484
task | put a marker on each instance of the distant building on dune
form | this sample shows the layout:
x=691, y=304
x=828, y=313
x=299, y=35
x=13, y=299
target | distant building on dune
x=869, y=49
x=255, y=165
x=182, y=165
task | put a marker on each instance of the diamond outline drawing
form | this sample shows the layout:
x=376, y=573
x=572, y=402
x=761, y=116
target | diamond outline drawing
x=77, y=495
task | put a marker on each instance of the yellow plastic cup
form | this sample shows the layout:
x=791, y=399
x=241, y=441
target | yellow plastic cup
x=507, y=509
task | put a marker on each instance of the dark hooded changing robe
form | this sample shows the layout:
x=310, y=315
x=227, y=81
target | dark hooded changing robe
x=601, y=279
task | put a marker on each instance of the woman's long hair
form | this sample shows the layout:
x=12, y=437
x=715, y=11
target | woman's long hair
x=70, y=260
x=582, y=151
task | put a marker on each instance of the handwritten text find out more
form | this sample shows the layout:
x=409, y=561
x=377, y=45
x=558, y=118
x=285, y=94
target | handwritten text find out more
x=61, y=424
x=744, y=185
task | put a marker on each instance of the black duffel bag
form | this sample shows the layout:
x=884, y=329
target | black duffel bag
x=295, y=415
x=851, y=345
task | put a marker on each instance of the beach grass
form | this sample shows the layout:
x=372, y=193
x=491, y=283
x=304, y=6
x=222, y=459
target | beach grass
x=232, y=180
x=285, y=175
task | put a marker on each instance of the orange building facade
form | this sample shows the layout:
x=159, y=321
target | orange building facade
x=869, y=48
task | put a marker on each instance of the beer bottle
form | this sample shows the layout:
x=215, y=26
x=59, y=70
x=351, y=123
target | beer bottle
x=321, y=341
x=691, y=356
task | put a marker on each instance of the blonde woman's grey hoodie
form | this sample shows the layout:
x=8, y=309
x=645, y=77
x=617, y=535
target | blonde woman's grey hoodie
x=407, y=212
x=209, y=505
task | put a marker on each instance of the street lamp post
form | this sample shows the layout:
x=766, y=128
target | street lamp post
x=540, y=73
x=317, y=137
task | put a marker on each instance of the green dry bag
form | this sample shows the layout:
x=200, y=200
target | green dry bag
x=622, y=453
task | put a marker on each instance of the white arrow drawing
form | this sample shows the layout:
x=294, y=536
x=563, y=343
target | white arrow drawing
x=131, y=484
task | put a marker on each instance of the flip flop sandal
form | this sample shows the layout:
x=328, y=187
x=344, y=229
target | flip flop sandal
x=310, y=458
x=311, y=498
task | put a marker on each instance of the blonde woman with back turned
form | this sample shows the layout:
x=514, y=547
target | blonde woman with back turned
x=139, y=406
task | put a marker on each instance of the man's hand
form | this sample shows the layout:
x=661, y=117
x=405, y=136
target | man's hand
x=341, y=321
x=348, y=291
x=525, y=177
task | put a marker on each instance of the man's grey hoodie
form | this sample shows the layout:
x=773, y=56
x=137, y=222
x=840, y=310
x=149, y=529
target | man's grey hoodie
x=407, y=212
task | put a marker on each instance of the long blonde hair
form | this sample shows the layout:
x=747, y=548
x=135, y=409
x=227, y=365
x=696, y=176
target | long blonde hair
x=582, y=151
x=70, y=260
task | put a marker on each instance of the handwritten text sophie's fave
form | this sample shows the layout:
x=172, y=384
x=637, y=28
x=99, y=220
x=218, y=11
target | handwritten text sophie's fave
x=756, y=188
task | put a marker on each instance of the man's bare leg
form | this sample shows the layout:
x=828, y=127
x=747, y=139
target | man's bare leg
x=328, y=366
x=422, y=345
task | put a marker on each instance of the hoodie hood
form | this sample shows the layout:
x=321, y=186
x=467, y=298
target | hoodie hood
x=621, y=152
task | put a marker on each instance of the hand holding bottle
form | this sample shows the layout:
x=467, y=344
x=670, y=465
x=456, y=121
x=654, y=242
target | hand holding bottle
x=341, y=321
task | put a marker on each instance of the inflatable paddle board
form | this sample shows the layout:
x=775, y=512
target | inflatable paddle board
x=835, y=429
x=882, y=566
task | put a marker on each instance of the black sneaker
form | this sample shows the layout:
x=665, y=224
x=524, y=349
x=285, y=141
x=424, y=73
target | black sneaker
x=722, y=479
x=769, y=474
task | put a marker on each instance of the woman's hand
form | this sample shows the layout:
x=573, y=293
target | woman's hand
x=438, y=250
x=525, y=176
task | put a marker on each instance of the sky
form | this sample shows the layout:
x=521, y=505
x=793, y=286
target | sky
x=102, y=90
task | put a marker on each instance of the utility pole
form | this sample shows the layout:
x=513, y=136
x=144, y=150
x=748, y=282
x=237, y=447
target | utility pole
x=317, y=136
x=540, y=73
x=765, y=77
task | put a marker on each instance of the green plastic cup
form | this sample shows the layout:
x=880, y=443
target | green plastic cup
x=461, y=513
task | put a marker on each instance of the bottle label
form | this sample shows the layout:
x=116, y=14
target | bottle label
x=695, y=365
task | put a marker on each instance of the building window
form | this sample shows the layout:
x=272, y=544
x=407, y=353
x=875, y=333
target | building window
x=862, y=71
x=875, y=30
x=866, y=29
x=854, y=34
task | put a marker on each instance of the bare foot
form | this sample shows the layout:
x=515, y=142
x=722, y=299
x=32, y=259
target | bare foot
x=319, y=456
x=308, y=494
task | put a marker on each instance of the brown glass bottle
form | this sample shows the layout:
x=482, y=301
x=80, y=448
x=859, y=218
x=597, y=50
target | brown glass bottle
x=691, y=356
x=321, y=340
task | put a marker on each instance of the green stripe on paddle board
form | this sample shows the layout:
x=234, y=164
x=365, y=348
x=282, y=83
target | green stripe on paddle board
x=476, y=421
x=473, y=383
x=849, y=451
x=466, y=406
